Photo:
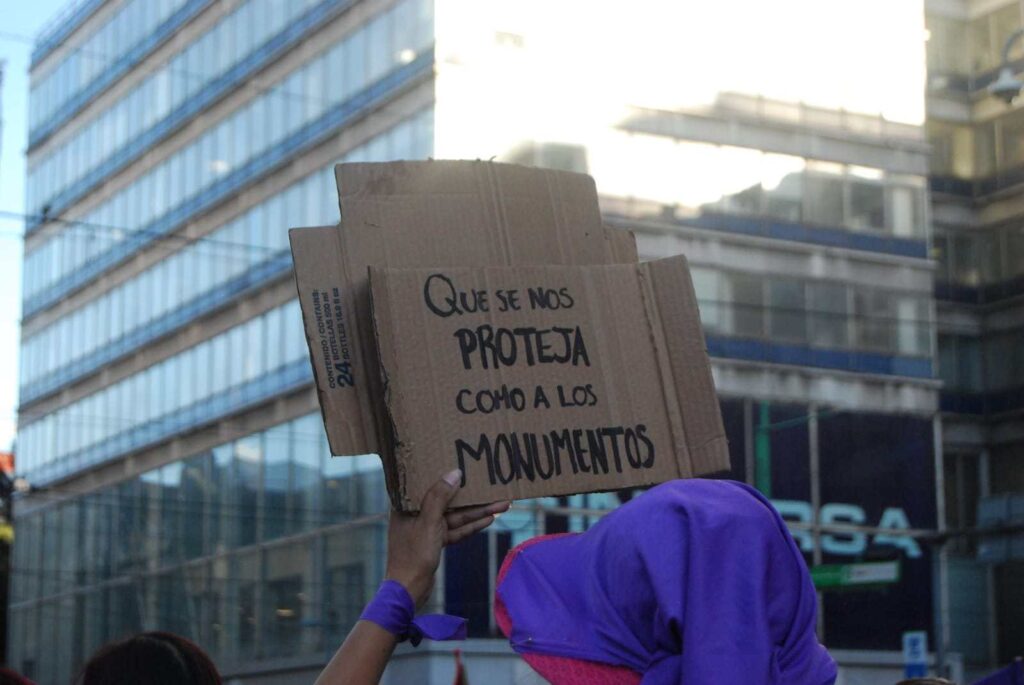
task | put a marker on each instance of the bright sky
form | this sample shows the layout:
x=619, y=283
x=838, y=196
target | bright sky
x=21, y=21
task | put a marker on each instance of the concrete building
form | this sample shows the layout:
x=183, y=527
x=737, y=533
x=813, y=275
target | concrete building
x=168, y=423
x=978, y=206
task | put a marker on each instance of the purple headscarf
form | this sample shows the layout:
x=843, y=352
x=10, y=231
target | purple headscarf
x=694, y=581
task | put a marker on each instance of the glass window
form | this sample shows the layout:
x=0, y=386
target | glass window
x=26, y=556
x=786, y=310
x=828, y=315
x=242, y=612
x=987, y=35
x=948, y=356
x=31, y=655
x=985, y=149
x=998, y=357
x=960, y=365
x=1014, y=251
x=914, y=318
x=51, y=549
x=307, y=442
x=355, y=68
x=276, y=502
x=195, y=483
x=156, y=538
x=278, y=110
x=243, y=135
x=224, y=518
x=242, y=35
x=287, y=601
x=867, y=204
x=824, y=199
x=255, y=358
x=172, y=533
x=706, y=286
x=201, y=370
x=49, y=618
x=874, y=320
x=274, y=342
x=295, y=101
x=248, y=473
x=380, y=47
x=295, y=337
x=403, y=24
x=312, y=88
x=220, y=364
x=99, y=511
x=239, y=349
x=352, y=564
x=906, y=217
x=277, y=225
x=745, y=294
x=129, y=519
x=1012, y=148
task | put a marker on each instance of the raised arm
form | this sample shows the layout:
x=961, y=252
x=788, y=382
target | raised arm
x=414, y=552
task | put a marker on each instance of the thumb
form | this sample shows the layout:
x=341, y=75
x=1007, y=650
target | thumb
x=440, y=494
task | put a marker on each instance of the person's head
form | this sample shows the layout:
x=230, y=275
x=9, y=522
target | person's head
x=9, y=677
x=155, y=658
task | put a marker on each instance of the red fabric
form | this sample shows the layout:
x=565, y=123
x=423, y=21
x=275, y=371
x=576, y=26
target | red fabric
x=460, y=671
x=558, y=670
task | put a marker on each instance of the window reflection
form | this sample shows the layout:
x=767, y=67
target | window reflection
x=287, y=601
x=286, y=103
x=248, y=474
x=258, y=236
x=821, y=313
x=276, y=482
x=352, y=567
x=242, y=607
x=700, y=180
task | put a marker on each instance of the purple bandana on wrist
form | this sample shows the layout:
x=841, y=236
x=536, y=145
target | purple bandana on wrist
x=393, y=610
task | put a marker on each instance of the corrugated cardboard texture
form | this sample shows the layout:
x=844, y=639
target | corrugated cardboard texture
x=407, y=214
x=613, y=391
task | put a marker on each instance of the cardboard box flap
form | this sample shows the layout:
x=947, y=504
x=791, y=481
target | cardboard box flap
x=525, y=215
x=330, y=333
x=539, y=380
x=676, y=302
x=622, y=245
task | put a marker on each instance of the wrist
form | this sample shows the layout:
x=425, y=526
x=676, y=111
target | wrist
x=417, y=585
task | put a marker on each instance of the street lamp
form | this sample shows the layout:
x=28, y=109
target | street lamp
x=1007, y=86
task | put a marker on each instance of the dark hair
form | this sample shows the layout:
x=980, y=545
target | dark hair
x=155, y=658
x=9, y=677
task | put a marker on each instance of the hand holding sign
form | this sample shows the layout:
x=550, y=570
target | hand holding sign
x=415, y=542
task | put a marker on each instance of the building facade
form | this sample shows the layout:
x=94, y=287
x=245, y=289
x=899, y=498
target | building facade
x=978, y=209
x=168, y=423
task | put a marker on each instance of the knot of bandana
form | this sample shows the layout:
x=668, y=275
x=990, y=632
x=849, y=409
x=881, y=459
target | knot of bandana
x=393, y=610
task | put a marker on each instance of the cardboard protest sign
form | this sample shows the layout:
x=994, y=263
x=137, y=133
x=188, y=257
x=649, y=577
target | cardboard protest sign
x=465, y=215
x=544, y=380
x=421, y=214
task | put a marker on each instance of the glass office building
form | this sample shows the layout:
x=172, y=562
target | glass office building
x=168, y=422
x=977, y=187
